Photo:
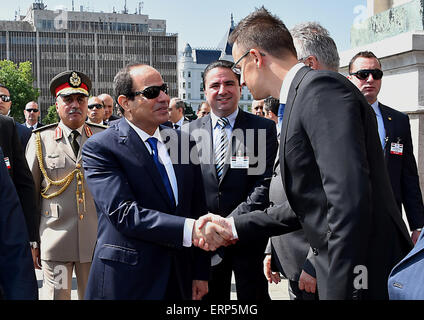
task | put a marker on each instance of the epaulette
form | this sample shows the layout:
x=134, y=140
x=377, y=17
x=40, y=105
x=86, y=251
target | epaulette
x=47, y=126
x=96, y=125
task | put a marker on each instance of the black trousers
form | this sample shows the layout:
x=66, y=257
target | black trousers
x=251, y=284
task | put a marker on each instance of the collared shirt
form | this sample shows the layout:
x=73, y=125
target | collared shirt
x=228, y=129
x=30, y=126
x=179, y=123
x=67, y=131
x=166, y=161
x=380, y=123
x=285, y=87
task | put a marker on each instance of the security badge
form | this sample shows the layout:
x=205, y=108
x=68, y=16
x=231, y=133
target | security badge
x=6, y=160
x=239, y=162
x=396, y=147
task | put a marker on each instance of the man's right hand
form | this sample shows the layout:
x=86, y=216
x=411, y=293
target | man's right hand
x=36, y=258
x=269, y=274
x=211, y=232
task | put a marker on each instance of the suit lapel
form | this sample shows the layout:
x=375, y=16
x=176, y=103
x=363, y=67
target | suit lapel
x=287, y=111
x=388, y=126
x=130, y=138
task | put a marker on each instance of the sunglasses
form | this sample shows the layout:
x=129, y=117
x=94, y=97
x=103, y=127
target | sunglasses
x=31, y=110
x=5, y=98
x=377, y=74
x=97, y=106
x=153, y=91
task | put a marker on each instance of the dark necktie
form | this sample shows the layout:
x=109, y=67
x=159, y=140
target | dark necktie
x=280, y=114
x=153, y=142
x=221, y=149
x=176, y=126
x=74, y=143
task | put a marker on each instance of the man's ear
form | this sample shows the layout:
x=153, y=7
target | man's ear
x=257, y=57
x=123, y=102
x=312, y=62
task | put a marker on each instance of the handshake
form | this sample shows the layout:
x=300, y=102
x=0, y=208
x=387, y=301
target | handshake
x=211, y=232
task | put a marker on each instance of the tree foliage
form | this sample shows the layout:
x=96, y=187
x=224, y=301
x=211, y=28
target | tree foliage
x=19, y=80
x=51, y=116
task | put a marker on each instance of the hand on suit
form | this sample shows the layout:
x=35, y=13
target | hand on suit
x=211, y=232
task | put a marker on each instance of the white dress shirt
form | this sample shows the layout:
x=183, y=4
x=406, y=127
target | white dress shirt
x=166, y=161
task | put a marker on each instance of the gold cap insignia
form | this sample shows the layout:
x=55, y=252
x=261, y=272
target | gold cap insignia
x=74, y=80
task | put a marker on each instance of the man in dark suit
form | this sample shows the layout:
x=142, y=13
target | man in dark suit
x=395, y=136
x=146, y=218
x=17, y=276
x=32, y=114
x=14, y=158
x=291, y=252
x=330, y=166
x=176, y=113
x=237, y=188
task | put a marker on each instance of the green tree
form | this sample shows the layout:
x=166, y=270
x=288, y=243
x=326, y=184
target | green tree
x=19, y=80
x=189, y=113
x=51, y=116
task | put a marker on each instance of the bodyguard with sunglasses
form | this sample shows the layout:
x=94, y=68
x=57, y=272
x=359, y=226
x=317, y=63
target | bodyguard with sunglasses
x=147, y=216
x=96, y=111
x=395, y=136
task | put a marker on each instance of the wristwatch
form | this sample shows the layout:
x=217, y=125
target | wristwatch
x=33, y=244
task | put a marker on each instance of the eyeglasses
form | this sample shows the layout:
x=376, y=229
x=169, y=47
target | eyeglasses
x=97, y=106
x=5, y=98
x=237, y=70
x=153, y=91
x=31, y=110
x=377, y=74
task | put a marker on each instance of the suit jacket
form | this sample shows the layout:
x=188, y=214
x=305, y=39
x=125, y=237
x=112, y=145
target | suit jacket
x=67, y=233
x=331, y=171
x=402, y=169
x=239, y=191
x=140, y=233
x=407, y=277
x=20, y=174
x=17, y=275
x=291, y=251
x=24, y=134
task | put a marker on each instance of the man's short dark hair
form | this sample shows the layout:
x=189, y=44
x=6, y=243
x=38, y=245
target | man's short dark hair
x=4, y=86
x=219, y=64
x=179, y=104
x=264, y=30
x=362, y=54
x=123, y=83
x=272, y=104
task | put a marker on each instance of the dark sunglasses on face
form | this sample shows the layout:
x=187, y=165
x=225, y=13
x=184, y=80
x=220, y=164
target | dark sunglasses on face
x=5, y=98
x=377, y=74
x=153, y=91
x=31, y=110
x=97, y=106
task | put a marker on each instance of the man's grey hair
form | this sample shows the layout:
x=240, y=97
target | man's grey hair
x=312, y=39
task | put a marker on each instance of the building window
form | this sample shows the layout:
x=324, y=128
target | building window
x=189, y=95
x=183, y=96
x=184, y=85
x=189, y=85
x=249, y=97
x=189, y=74
x=202, y=96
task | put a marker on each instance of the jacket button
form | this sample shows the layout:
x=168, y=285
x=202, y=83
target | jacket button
x=315, y=251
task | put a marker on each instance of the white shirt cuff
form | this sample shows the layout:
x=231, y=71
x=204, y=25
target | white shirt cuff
x=233, y=227
x=188, y=232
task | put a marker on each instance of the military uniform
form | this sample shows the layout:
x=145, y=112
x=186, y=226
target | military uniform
x=68, y=226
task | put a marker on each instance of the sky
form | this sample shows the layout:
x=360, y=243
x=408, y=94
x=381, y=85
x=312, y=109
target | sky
x=204, y=23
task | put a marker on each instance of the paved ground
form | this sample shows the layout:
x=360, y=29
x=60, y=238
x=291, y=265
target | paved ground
x=276, y=291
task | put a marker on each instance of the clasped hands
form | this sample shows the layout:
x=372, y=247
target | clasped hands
x=212, y=231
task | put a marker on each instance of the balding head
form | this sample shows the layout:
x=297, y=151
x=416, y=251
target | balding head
x=108, y=105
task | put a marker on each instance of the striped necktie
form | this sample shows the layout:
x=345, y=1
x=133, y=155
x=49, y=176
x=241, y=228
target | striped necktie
x=221, y=149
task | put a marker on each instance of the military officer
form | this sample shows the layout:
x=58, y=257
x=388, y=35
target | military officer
x=68, y=223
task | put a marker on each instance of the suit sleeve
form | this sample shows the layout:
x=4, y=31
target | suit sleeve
x=115, y=199
x=258, y=196
x=25, y=188
x=17, y=276
x=410, y=185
